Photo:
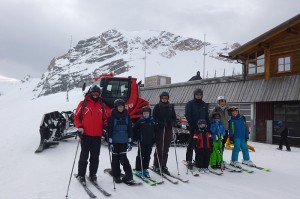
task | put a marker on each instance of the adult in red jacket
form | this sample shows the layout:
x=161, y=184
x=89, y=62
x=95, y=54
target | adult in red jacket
x=90, y=119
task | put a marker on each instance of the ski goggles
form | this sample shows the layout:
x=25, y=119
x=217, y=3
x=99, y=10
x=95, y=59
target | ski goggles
x=95, y=94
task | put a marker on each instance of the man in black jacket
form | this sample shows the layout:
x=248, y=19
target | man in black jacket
x=283, y=131
x=164, y=115
x=195, y=110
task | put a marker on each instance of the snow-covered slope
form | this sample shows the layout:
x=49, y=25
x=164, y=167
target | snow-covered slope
x=123, y=52
x=27, y=175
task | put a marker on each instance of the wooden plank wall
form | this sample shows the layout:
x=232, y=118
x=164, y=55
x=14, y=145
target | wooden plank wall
x=264, y=111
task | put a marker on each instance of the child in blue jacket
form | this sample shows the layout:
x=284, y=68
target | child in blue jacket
x=239, y=135
x=217, y=132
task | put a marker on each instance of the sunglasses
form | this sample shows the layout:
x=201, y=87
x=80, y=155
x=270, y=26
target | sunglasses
x=165, y=98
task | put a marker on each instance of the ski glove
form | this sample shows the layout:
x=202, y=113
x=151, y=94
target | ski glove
x=110, y=145
x=129, y=147
x=195, y=142
x=80, y=132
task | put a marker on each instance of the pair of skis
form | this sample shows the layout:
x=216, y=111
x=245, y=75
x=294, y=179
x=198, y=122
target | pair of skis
x=170, y=177
x=196, y=173
x=239, y=169
x=257, y=167
x=88, y=191
x=130, y=183
x=148, y=181
x=192, y=171
x=244, y=169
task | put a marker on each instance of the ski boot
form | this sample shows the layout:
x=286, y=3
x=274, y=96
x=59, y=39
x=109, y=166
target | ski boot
x=127, y=179
x=93, y=177
x=190, y=165
x=82, y=180
x=249, y=163
x=118, y=180
x=146, y=173
x=165, y=170
x=235, y=164
x=139, y=173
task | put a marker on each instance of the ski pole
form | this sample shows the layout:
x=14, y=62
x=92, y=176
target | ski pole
x=141, y=158
x=72, y=168
x=163, y=145
x=162, y=179
x=176, y=153
x=111, y=166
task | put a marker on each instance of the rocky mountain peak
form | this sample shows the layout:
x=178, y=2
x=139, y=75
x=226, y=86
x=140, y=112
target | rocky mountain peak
x=112, y=50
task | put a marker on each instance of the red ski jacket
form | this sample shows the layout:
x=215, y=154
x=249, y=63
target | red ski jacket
x=93, y=117
x=201, y=140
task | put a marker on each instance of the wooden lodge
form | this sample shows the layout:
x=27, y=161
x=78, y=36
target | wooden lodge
x=266, y=92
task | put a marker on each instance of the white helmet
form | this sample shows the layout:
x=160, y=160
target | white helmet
x=221, y=98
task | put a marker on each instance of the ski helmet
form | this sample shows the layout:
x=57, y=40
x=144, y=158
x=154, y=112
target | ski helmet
x=146, y=109
x=216, y=115
x=233, y=108
x=95, y=89
x=165, y=93
x=198, y=91
x=221, y=98
x=201, y=121
x=280, y=123
x=119, y=102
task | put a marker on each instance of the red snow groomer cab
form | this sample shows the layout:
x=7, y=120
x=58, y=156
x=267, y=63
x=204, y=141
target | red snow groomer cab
x=125, y=88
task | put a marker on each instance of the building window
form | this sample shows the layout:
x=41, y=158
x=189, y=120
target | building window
x=256, y=63
x=284, y=64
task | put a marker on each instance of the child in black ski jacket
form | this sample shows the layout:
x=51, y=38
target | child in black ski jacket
x=144, y=133
x=202, y=146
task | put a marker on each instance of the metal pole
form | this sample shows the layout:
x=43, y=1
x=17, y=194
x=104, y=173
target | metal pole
x=72, y=168
x=141, y=158
x=111, y=167
x=176, y=154
x=204, y=54
x=162, y=179
x=145, y=66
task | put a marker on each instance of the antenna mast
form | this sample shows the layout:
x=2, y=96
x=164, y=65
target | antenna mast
x=145, y=66
x=204, y=54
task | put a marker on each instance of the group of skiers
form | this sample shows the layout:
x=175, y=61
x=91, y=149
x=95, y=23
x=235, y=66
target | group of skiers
x=91, y=119
x=208, y=134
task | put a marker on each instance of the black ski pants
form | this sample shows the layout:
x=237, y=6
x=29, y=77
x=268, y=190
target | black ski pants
x=163, y=143
x=202, y=157
x=224, y=140
x=119, y=156
x=189, y=149
x=145, y=150
x=90, y=146
x=284, y=140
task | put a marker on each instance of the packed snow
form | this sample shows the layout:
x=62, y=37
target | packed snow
x=27, y=175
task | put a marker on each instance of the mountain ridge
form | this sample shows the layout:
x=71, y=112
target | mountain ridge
x=121, y=52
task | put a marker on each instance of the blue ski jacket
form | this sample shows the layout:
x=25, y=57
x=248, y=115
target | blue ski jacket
x=238, y=127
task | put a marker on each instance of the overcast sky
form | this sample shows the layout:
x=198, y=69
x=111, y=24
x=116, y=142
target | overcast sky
x=32, y=32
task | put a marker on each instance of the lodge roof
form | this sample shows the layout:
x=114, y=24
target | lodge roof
x=285, y=88
x=285, y=26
